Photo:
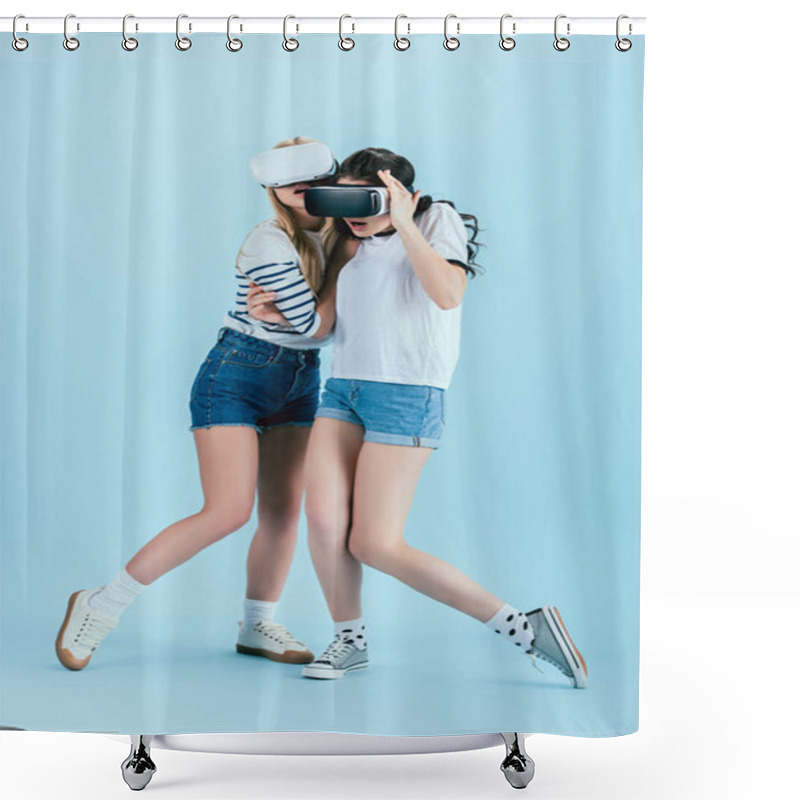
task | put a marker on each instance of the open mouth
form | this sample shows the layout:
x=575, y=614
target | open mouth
x=356, y=226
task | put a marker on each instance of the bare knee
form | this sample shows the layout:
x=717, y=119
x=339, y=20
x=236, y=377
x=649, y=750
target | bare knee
x=228, y=519
x=279, y=517
x=377, y=554
x=324, y=530
x=319, y=518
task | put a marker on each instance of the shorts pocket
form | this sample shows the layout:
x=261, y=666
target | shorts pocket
x=248, y=358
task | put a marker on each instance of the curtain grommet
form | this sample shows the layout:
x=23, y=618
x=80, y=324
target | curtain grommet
x=451, y=42
x=345, y=42
x=18, y=43
x=183, y=43
x=128, y=42
x=400, y=42
x=507, y=42
x=623, y=45
x=561, y=43
x=233, y=44
x=70, y=42
x=289, y=44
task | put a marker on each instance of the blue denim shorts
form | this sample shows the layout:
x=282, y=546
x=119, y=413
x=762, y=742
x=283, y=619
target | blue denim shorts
x=390, y=413
x=250, y=381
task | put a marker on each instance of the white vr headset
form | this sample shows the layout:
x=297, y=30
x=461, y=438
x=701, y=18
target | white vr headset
x=296, y=163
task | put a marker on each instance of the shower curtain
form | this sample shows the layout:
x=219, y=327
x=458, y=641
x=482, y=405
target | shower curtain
x=127, y=195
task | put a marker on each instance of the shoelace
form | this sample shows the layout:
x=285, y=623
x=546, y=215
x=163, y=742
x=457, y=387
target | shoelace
x=335, y=650
x=535, y=665
x=93, y=630
x=542, y=655
x=277, y=631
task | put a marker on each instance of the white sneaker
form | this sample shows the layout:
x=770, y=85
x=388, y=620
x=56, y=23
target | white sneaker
x=340, y=657
x=82, y=630
x=272, y=640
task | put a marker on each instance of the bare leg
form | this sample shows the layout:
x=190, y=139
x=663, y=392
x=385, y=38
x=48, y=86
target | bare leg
x=228, y=458
x=330, y=466
x=280, y=494
x=385, y=480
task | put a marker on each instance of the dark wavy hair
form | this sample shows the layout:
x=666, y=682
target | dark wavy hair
x=364, y=165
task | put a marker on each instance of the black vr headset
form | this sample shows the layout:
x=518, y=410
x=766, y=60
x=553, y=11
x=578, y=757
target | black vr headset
x=347, y=201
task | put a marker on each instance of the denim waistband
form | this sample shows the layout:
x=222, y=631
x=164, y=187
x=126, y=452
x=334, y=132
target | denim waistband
x=270, y=348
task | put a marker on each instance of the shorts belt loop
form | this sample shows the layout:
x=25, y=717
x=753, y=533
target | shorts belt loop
x=221, y=333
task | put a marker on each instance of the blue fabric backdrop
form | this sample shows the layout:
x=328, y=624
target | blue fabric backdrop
x=125, y=197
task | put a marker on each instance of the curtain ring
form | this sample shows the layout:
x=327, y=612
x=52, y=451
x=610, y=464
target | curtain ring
x=70, y=42
x=345, y=42
x=400, y=42
x=289, y=44
x=561, y=44
x=234, y=45
x=128, y=42
x=451, y=42
x=18, y=43
x=623, y=45
x=506, y=42
x=182, y=42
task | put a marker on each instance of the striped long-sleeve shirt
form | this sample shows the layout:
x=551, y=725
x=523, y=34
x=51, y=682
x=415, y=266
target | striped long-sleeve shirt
x=268, y=258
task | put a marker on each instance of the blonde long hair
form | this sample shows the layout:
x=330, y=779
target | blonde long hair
x=310, y=264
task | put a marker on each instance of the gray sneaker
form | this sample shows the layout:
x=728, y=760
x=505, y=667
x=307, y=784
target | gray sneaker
x=553, y=644
x=340, y=656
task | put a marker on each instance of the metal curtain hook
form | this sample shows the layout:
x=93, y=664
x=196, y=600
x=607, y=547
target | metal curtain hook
x=400, y=42
x=234, y=45
x=18, y=43
x=345, y=42
x=128, y=42
x=506, y=42
x=182, y=42
x=289, y=44
x=70, y=42
x=451, y=42
x=623, y=45
x=561, y=43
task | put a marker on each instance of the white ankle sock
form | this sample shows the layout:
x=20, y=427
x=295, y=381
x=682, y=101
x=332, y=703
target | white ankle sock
x=116, y=596
x=258, y=611
x=352, y=629
x=512, y=625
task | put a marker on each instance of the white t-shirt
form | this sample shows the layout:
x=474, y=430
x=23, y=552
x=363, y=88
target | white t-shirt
x=387, y=328
x=268, y=258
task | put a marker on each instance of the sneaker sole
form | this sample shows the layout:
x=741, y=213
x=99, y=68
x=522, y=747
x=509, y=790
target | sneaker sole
x=580, y=675
x=288, y=657
x=64, y=656
x=330, y=673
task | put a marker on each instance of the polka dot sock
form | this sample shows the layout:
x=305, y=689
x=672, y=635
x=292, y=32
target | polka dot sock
x=258, y=611
x=512, y=625
x=352, y=629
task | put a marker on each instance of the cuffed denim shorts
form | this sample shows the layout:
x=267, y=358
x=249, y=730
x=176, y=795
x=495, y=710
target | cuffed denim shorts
x=253, y=382
x=390, y=413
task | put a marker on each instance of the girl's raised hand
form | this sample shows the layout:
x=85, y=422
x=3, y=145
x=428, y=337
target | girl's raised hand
x=402, y=203
x=261, y=305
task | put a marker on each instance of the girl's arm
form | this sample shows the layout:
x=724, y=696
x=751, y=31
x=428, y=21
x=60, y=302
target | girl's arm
x=291, y=294
x=261, y=304
x=442, y=281
x=266, y=260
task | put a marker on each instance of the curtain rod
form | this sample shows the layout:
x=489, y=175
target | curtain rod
x=351, y=24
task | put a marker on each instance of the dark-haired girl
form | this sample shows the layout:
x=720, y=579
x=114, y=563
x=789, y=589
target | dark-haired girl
x=396, y=344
